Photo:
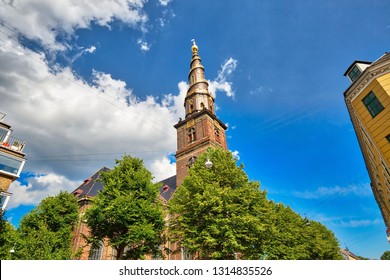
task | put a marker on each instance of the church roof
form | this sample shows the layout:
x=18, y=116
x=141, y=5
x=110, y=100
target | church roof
x=168, y=187
x=92, y=185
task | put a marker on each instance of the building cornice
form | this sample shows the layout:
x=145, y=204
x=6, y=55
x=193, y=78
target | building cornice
x=375, y=70
x=197, y=115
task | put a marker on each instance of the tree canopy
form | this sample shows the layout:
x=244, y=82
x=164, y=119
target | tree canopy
x=385, y=255
x=8, y=237
x=127, y=212
x=291, y=237
x=45, y=233
x=218, y=213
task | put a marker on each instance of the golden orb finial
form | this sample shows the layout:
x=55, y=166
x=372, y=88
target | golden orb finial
x=194, y=46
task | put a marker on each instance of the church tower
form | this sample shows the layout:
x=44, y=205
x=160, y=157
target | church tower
x=201, y=128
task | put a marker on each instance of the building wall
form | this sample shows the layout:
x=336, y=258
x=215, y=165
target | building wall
x=371, y=133
x=206, y=136
x=5, y=182
x=81, y=231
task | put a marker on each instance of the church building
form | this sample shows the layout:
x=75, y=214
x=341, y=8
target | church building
x=199, y=130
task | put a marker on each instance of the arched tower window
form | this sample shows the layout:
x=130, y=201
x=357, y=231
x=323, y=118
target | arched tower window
x=190, y=104
x=191, y=135
x=202, y=106
x=191, y=161
x=216, y=132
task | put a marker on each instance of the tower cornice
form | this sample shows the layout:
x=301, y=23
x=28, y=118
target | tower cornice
x=199, y=114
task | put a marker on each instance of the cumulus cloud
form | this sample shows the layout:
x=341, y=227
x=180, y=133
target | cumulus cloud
x=38, y=188
x=162, y=168
x=44, y=20
x=73, y=128
x=221, y=83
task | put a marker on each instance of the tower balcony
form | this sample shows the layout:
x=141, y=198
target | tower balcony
x=11, y=143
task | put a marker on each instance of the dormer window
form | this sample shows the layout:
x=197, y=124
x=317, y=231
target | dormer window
x=165, y=188
x=356, y=69
x=354, y=73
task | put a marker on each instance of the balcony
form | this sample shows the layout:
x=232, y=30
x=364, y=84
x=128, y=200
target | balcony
x=11, y=143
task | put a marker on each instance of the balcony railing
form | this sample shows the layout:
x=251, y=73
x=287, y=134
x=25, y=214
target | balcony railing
x=11, y=143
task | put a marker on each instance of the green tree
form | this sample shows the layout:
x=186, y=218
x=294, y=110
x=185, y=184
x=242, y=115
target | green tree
x=127, y=212
x=291, y=237
x=46, y=232
x=8, y=237
x=385, y=255
x=218, y=213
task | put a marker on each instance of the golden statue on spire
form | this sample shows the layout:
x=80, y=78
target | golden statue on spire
x=194, y=46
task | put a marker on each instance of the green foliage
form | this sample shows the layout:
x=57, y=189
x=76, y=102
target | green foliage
x=46, y=232
x=385, y=255
x=216, y=213
x=290, y=237
x=8, y=238
x=127, y=211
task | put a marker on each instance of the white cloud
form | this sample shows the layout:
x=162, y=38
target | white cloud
x=44, y=20
x=235, y=155
x=145, y=46
x=164, y=2
x=38, y=188
x=361, y=190
x=162, y=168
x=359, y=222
x=221, y=83
x=72, y=128
x=261, y=90
x=91, y=49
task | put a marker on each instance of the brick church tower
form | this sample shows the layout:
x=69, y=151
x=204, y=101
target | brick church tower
x=201, y=128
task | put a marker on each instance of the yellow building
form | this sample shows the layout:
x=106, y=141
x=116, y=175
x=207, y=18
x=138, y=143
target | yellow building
x=11, y=160
x=368, y=103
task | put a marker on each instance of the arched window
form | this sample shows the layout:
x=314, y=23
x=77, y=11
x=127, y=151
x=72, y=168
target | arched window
x=191, y=161
x=191, y=135
x=190, y=106
x=216, y=132
x=202, y=106
x=96, y=252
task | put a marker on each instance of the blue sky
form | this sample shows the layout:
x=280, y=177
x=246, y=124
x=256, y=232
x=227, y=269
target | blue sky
x=85, y=83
